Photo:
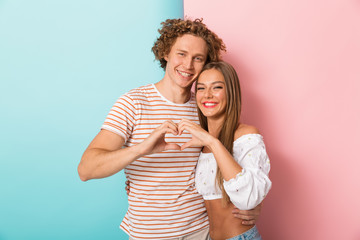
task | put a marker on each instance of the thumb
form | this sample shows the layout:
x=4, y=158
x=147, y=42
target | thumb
x=186, y=145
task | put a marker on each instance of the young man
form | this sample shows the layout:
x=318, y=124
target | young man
x=140, y=136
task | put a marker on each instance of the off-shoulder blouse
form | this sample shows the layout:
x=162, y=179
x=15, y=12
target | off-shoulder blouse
x=250, y=186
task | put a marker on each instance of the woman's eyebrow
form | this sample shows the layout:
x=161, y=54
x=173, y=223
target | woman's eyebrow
x=212, y=83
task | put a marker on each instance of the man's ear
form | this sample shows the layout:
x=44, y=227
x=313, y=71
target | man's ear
x=166, y=58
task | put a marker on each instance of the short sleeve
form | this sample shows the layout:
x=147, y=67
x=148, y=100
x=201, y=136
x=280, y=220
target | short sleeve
x=249, y=187
x=121, y=118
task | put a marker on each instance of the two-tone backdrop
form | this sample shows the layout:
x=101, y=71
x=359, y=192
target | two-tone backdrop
x=64, y=63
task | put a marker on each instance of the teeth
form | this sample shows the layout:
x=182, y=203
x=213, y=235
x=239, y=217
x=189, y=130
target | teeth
x=209, y=104
x=184, y=74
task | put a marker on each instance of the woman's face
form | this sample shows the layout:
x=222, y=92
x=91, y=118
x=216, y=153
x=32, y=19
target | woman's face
x=211, y=94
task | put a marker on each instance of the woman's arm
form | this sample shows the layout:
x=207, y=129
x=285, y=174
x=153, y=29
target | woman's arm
x=245, y=178
x=249, y=187
x=228, y=166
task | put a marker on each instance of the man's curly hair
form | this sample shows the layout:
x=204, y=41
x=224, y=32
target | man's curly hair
x=174, y=28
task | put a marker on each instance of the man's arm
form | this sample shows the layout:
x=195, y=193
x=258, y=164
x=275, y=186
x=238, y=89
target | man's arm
x=248, y=217
x=105, y=155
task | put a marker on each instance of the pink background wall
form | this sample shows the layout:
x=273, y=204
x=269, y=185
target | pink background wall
x=299, y=65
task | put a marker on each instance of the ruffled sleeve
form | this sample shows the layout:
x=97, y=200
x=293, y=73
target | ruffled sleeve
x=249, y=187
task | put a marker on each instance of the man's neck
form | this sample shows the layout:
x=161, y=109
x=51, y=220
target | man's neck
x=173, y=93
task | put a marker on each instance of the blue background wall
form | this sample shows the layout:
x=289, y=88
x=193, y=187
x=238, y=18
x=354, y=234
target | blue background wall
x=62, y=66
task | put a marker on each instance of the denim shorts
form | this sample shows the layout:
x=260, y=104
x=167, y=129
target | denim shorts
x=251, y=234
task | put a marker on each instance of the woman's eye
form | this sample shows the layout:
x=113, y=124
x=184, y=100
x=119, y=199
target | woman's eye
x=200, y=88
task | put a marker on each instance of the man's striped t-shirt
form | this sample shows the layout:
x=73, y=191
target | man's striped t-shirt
x=163, y=201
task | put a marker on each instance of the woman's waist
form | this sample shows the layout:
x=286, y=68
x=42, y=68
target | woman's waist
x=223, y=224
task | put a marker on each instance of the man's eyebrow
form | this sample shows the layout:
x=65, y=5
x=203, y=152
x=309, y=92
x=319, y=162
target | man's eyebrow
x=185, y=51
x=181, y=50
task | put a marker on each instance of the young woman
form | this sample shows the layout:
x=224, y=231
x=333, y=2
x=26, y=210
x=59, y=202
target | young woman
x=233, y=166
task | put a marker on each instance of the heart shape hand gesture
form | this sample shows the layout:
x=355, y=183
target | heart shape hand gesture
x=155, y=142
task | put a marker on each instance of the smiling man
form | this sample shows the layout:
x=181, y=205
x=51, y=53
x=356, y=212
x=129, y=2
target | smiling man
x=140, y=135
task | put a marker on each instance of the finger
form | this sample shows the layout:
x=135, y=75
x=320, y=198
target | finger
x=186, y=145
x=185, y=126
x=247, y=223
x=183, y=120
x=250, y=214
x=181, y=129
x=244, y=212
x=170, y=125
x=172, y=131
x=244, y=217
x=166, y=130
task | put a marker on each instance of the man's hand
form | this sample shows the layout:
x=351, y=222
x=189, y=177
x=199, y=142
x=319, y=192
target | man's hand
x=155, y=142
x=249, y=217
x=127, y=187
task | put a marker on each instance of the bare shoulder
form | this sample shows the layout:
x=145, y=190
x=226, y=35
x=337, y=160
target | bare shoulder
x=244, y=129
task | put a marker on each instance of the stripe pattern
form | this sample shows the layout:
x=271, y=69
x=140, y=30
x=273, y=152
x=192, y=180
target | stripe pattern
x=163, y=201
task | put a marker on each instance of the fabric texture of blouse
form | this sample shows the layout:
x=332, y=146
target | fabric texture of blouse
x=250, y=186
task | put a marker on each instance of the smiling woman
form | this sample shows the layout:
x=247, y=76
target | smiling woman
x=233, y=166
x=211, y=94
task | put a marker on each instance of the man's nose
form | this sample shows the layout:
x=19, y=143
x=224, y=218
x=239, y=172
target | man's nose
x=189, y=63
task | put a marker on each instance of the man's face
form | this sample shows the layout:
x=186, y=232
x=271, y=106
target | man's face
x=185, y=60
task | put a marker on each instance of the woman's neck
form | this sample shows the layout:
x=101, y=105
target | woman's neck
x=214, y=126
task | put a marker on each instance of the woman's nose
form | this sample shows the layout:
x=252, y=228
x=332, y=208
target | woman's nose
x=208, y=93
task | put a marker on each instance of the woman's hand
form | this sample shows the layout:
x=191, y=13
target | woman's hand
x=200, y=137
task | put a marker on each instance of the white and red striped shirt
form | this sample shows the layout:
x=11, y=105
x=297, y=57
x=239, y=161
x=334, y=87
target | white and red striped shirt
x=163, y=201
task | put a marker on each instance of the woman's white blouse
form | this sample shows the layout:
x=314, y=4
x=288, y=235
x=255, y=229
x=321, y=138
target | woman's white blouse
x=250, y=186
